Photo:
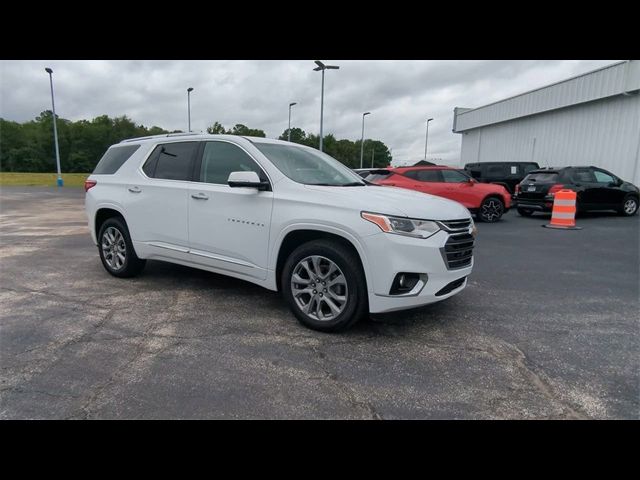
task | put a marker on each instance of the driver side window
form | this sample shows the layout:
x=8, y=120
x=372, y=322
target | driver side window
x=602, y=177
x=219, y=159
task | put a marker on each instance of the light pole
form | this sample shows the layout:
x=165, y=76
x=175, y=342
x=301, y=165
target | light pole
x=426, y=139
x=55, y=130
x=189, y=90
x=322, y=67
x=289, y=130
x=362, y=140
x=373, y=152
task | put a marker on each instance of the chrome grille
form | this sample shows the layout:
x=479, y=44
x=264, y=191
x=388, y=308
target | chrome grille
x=456, y=225
x=458, y=251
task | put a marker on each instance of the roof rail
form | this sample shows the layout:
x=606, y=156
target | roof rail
x=162, y=135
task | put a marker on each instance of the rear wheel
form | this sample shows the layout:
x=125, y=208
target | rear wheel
x=116, y=249
x=324, y=285
x=491, y=210
x=629, y=206
x=525, y=212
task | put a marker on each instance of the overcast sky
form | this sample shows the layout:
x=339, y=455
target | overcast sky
x=400, y=95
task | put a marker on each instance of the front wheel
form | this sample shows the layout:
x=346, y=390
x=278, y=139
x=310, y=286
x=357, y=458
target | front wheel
x=491, y=210
x=629, y=206
x=324, y=285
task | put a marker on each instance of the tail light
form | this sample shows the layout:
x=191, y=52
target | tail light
x=555, y=188
x=88, y=184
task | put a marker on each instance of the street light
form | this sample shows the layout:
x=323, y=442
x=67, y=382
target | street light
x=189, y=90
x=289, y=130
x=55, y=130
x=322, y=67
x=362, y=140
x=426, y=139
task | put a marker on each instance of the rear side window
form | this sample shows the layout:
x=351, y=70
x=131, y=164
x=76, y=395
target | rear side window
x=497, y=170
x=429, y=175
x=171, y=161
x=113, y=159
x=542, y=177
x=583, y=175
x=528, y=167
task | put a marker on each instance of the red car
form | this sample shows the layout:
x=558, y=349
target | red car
x=486, y=200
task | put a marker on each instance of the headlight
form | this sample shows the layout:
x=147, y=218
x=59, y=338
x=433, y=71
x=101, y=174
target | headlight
x=402, y=226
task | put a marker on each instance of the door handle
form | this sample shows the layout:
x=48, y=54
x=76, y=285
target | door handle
x=200, y=196
x=135, y=189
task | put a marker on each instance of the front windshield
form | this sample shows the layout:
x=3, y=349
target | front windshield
x=309, y=166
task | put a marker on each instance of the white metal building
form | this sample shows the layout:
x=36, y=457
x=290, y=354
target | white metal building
x=590, y=119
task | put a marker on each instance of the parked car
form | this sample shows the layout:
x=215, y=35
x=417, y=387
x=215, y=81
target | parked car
x=280, y=215
x=507, y=174
x=487, y=201
x=596, y=188
x=363, y=172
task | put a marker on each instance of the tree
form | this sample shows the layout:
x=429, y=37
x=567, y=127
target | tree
x=216, y=128
x=297, y=135
x=240, y=129
x=29, y=146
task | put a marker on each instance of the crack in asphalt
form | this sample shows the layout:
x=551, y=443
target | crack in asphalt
x=142, y=350
x=79, y=302
x=531, y=373
x=348, y=392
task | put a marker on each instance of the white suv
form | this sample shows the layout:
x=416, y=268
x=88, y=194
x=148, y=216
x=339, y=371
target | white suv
x=284, y=216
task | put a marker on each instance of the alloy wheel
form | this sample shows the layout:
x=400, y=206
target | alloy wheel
x=114, y=248
x=491, y=210
x=319, y=288
x=630, y=206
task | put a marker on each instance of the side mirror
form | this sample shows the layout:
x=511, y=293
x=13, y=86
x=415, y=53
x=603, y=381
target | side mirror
x=247, y=180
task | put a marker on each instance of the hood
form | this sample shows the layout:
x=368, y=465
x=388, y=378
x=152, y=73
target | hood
x=393, y=201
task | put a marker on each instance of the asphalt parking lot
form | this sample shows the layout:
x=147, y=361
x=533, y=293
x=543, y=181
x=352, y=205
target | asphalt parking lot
x=547, y=328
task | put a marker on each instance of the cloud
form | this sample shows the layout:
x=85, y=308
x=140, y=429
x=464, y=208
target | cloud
x=400, y=95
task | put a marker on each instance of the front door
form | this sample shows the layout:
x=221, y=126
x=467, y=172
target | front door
x=608, y=194
x=229, y=226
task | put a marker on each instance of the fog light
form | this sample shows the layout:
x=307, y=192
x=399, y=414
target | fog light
x=404, y=283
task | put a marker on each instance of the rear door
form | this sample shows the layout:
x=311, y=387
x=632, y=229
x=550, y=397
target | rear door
x=229, y=227
x=156, y=204
x=586, y=186
x=428, y=181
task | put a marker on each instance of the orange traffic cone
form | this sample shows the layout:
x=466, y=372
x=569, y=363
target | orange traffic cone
x=563, y=215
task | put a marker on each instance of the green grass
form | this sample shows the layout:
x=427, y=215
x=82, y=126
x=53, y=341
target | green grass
x=42, y=179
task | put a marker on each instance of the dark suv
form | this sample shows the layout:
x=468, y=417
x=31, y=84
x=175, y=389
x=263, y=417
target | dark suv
x=597, y=189
x=507, y=174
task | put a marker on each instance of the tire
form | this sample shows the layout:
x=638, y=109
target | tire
x=491, y=210
x=629, y=206
x=114, y=242
x=525, y=212
x=320, y=257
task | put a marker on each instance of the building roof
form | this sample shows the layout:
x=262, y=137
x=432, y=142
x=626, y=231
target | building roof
x=620, y=78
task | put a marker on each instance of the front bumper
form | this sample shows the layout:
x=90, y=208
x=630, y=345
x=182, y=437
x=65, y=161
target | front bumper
x=391, y=254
